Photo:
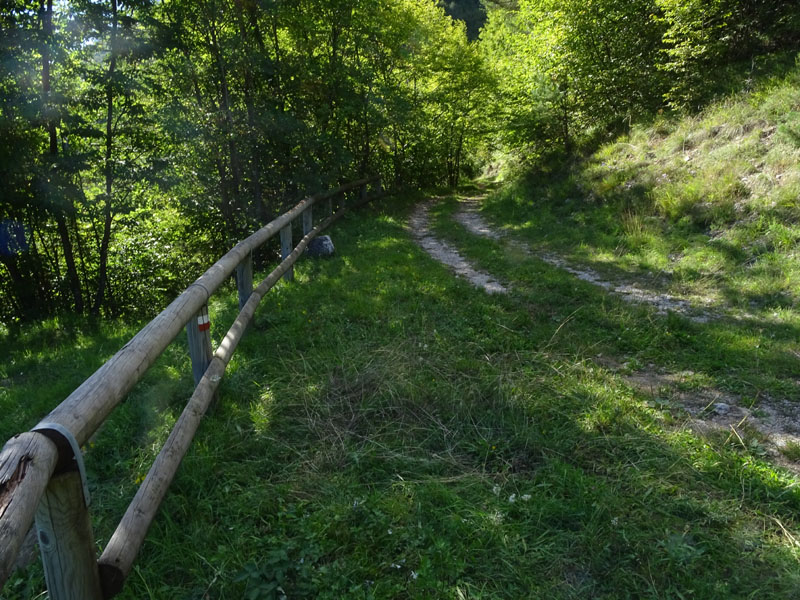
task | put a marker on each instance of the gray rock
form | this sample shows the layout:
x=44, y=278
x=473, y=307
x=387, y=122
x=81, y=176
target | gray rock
x=722, y=409
x=320, y=246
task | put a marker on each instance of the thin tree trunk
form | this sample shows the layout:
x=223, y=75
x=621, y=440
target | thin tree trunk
x=225, y=103
x=251, y=119
x=225, y=207
x=24, y=295
x=109, y=167
x=278, y=80
x=63, y=232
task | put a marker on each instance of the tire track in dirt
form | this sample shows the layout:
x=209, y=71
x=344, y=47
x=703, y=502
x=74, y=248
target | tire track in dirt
x=419, y=224
x=774, y=424
x=468, y=216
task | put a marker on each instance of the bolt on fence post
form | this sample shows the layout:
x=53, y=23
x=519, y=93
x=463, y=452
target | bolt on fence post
x=244, y=279
x=66, y=540
x=286, y=250
x=198, y=334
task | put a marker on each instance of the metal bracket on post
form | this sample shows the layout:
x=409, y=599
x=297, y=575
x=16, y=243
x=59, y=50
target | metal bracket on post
x=63, y=439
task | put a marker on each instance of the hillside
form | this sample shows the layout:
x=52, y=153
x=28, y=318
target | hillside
x=703, y=206
x=386, y=430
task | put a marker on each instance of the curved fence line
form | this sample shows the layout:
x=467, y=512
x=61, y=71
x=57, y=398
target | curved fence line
x=41, y=476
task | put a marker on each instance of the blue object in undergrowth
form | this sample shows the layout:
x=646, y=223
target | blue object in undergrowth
x=320, y=246
x=13, y=238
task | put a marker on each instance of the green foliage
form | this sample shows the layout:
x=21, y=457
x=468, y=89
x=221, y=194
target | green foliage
x=573, y=73
x=704, y=36
x=569, y=66
x=229, y=112
x=704, y=205
x=472, y=12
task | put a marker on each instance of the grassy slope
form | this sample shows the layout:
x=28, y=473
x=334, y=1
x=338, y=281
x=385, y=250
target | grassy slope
x=710, y=203
x=386, y=431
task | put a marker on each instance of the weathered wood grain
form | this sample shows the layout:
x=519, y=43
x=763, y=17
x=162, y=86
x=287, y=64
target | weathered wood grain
x=66, y=540
x=308, y=220
x=198, y=337
x=244, y=279
x=89, y=405
x=286, y=249
x=26, y=463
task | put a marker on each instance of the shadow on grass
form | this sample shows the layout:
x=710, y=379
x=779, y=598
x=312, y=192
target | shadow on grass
x=386, y=431
x=397, y=438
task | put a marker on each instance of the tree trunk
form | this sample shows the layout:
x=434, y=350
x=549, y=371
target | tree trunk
x=109, y=167
x=23, y=289
x=251, y=119
x=50, y=123
x=225, y=104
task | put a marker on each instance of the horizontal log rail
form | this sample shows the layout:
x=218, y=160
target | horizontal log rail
x=31, y=464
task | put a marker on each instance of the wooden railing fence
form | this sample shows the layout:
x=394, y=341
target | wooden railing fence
x=41, y=472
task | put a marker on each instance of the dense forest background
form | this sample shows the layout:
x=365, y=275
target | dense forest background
x=141, y=138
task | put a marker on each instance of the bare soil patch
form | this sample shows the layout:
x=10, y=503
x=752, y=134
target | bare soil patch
x=470, y=218
x=771, y=424
x=419, y=224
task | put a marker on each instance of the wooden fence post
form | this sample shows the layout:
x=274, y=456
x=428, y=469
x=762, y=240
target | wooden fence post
x=66, y=540
x=63, y=526
x=329, y=207
x=363, y=194
x=244, y=279
x=198, y=334
x=308, y=220
x=286, y=250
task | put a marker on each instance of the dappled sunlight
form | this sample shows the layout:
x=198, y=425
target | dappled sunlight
x=421, y=432
x=261, y=411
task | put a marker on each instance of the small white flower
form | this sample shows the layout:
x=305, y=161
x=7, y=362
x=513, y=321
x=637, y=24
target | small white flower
x=389, y=531
x=496, y=490
x=512, y=498
x=414, y=575
x=525, y=497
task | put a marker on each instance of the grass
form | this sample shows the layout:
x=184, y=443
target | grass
x=709, y=203
x=387, y=431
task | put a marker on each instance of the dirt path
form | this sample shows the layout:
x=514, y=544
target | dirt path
x=419, y=224
x=471, y=219
x=771, y=426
